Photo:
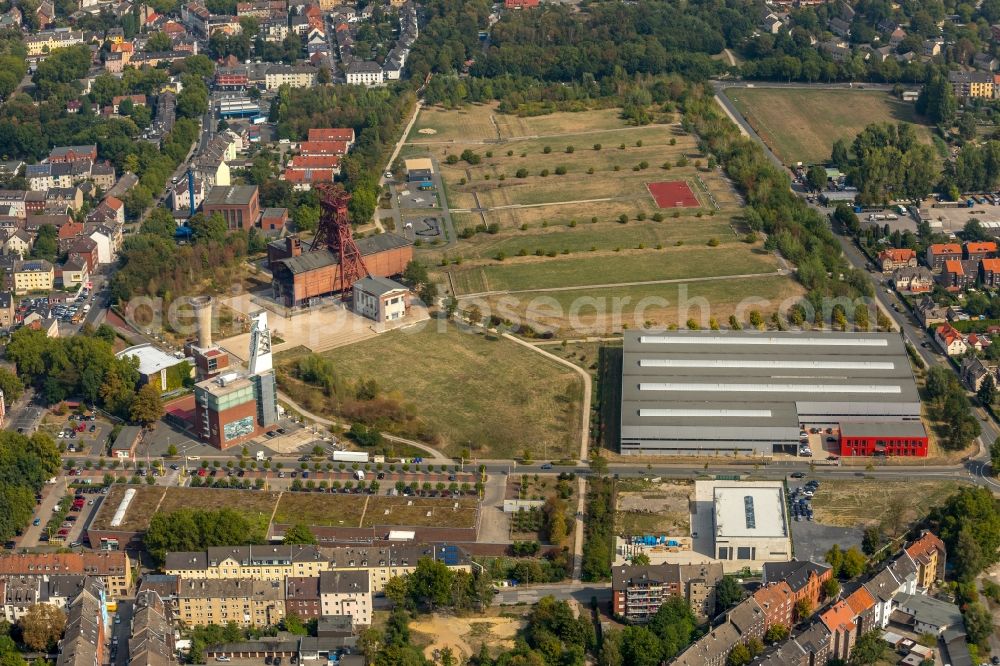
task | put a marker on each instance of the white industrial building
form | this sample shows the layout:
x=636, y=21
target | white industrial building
x=746, y=522
x=750, y=392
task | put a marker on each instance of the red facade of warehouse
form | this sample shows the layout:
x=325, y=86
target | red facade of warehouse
x=905, y=438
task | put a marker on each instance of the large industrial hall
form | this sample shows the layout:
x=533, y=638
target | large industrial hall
x=698, y=392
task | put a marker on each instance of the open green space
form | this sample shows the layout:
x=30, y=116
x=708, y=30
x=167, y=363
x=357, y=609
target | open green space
x=801, y=125
x=148, y=500
x=328, y=510
x=464, y=390
x=420, y=511
x=589, y=311
x=587, y=237
x=893, y=505
x=617, y=267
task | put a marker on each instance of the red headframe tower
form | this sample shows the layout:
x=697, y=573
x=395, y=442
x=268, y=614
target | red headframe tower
x=334, y=232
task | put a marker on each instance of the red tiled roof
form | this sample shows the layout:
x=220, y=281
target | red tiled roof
x=992, y=265
x=839, y=617
x=898, y=254
x=981, y=247
x=945, y=248
x=954, y=266
x=860, y=600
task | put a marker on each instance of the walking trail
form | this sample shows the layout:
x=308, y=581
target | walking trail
x=436, y=455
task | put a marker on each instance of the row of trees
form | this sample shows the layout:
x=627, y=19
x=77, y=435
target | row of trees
x=598, y=536
x=197, y=529
x=432, y=585
x=665, y=636
x=26, y=463
x=949, y=404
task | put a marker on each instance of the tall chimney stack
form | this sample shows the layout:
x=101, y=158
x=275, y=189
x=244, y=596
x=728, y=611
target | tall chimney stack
x=203, y=311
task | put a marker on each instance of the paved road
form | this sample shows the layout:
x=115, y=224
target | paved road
x=50, y=496
x=581, y=592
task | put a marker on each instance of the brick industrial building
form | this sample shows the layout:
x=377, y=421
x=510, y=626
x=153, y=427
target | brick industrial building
x=238, y=204
x=302, y=274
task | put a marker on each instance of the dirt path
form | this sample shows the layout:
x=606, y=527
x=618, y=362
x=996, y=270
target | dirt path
x=435, y=455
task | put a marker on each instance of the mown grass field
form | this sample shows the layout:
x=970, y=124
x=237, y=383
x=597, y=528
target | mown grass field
x=802, y=125
x=669, y=263
x=320, y=509
x=559, y=231
x=254, y=504
x=590, y=311
x=480, y=122
x=493, y=396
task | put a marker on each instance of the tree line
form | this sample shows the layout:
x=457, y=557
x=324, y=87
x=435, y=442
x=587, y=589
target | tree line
x=26, y=463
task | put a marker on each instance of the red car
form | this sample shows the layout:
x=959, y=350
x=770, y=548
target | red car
x=63, y=532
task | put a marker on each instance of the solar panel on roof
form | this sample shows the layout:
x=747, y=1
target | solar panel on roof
x=748, y=507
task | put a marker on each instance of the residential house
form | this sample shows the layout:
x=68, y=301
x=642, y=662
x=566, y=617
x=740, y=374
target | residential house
x=932, y=48
x=804, y=578
x=46, y=41
x=938, y=253
x=913, y=280
x=930, y=313
x=72, y=153
x=180, y=196
x=930, y=555
x=73, y=273
x=302, y=597
x=955, y=277
x=83, y=640
x=979, y=250
x=839, y=620
x=151, y=636
x=894, y=258
x=346, y=593
x=638, y=591
x=33, y=275
x=364, y=73
x=18, y=243
x=950, y=340
x=989, y=272
x=6, y=309
x=778, y=602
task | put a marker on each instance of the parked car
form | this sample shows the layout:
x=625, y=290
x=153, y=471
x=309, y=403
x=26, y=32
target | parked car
x=797, y=475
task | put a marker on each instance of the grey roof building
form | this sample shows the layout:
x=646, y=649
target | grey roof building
x=688, y=392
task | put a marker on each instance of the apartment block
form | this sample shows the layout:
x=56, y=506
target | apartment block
x=346, y=593
x=637, y=592
x=247, y=602
x=113, y=568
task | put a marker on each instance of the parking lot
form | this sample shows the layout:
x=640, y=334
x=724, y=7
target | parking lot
x=44, y=528
x=810, y=540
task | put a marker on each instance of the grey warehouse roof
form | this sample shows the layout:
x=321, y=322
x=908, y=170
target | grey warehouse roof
x=710, y=386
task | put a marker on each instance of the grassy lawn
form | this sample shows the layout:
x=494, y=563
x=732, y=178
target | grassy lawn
x=479, y=122
x=148, y=500
x=600, y=312
x=140, y=509
x=802, y=125
x=587, y=237
x=494, y=396
x=893, y=504
x=420, y=512
x=320, y=509
x=522, y=274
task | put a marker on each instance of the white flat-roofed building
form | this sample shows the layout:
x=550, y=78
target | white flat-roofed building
x=749, y=521
x=691, y=392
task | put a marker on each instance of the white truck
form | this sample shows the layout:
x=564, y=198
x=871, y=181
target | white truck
x=350, y=456
x=359, y=475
